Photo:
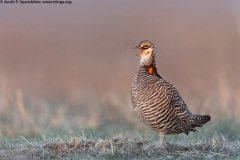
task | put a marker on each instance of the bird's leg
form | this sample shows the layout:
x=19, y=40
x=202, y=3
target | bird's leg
x=166, y=146
x=162, y=140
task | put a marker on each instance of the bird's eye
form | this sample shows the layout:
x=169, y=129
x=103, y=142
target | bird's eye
x=146, y=46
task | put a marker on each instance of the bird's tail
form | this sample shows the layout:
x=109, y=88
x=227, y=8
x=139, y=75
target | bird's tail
x=201, y=120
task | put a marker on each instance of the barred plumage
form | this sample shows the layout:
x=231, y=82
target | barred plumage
x=157, y=102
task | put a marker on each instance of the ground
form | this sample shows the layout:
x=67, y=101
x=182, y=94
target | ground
x=206, y=144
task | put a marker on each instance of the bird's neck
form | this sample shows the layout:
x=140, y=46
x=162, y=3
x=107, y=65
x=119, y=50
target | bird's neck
x=148, y=64
x=152, y=69
x=147, y=60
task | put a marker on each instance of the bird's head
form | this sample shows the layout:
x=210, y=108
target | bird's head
x=146, y=51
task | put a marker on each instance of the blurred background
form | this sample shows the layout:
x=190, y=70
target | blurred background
x=68, y=68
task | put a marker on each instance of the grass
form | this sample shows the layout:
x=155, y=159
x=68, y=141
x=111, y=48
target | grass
x=217, y=140
x=107, y=128
x=123, y=146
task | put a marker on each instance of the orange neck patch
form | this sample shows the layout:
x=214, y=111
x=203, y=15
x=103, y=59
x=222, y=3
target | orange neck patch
x=150, y=70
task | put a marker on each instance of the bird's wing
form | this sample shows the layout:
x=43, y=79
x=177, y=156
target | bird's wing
x=180, y=109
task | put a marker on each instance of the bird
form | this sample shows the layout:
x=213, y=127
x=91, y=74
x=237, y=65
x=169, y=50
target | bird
x=157, y=103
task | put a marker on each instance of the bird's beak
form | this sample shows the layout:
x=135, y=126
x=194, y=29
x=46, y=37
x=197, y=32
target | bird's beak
x=139, y=47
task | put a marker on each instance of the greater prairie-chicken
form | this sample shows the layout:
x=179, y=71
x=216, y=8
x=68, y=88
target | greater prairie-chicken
x=157, y=102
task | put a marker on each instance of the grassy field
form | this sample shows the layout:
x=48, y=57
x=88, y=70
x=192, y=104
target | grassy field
x=122, y=146
x=104, y=126
x=33, y=130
